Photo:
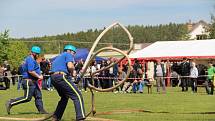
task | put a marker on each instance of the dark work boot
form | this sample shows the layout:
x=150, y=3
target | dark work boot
x=54, y=118
x=43, y=111
x=82, y=119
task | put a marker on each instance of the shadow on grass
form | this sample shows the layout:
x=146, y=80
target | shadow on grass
x=27, y=113
x=147, y=111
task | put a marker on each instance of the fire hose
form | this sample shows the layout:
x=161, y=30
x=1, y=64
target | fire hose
x=91, y=56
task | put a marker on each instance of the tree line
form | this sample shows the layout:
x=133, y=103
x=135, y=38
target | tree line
x=116, y=36
x=14, y=50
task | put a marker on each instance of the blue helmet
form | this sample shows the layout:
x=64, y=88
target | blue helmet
x=70, y=47
x=36, y=49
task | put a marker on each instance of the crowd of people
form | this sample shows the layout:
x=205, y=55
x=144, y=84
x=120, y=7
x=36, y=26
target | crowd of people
x=184, y=74
x=189, y=74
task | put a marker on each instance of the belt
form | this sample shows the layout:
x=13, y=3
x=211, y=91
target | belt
x=60, y=72
x=30, y=80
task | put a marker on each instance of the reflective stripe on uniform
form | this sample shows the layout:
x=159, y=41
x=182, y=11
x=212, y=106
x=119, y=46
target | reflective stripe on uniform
x=25, y=97
x=82, y=111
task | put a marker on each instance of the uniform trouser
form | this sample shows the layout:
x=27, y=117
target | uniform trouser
x=67, y=89
x=30, y=89
x=208, y=84
x=184, y=83
x=194, y=84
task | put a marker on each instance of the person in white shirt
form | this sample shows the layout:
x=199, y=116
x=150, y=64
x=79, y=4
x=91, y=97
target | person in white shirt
x=160, y=76
x=193, y=77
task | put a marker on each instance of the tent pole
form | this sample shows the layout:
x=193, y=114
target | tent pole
x=168, y=73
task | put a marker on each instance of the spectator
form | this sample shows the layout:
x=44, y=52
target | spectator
x=185, y=72
x=79, y=65
x=125, y=67
x=138, y=82
x=127, y=87
x=2, y=87
x=159, y=75
x=210, y=79
x=20, y=71
x=121, y=76
x=115, y=70
x=176, y=67
x=94, y=68
x=137, y=65
x=174, y=78
x=87, y=79
x=202, y=70
x=102, y=74
x=110, y=73
x=6, y=74
x=14, y=77
x=44, y=65
x=49, y=85
x=193, y=77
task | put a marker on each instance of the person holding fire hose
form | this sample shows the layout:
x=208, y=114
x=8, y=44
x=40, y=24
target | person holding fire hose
x=62, y=70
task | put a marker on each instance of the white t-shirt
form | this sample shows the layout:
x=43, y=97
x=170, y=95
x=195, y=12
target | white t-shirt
x=159, y=70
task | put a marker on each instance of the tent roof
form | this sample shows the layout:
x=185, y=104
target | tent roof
x=177, y=49
x=82, y=53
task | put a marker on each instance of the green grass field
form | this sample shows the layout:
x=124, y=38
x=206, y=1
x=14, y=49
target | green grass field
x=180, y=106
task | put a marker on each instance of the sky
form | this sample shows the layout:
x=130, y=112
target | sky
x=35, y=18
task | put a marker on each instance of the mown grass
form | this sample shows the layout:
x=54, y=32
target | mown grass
x=179, y=106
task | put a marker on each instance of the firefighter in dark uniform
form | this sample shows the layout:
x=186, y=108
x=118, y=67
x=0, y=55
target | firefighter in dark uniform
x=31, y=73
x=62, y=70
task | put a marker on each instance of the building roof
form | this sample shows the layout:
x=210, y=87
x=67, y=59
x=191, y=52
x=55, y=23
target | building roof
x=195, y=25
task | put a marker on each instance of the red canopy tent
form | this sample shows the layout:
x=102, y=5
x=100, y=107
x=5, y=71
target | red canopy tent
x=176, y=50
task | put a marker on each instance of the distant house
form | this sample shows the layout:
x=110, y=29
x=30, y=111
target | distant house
x=198, y=31
x=140, y=46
